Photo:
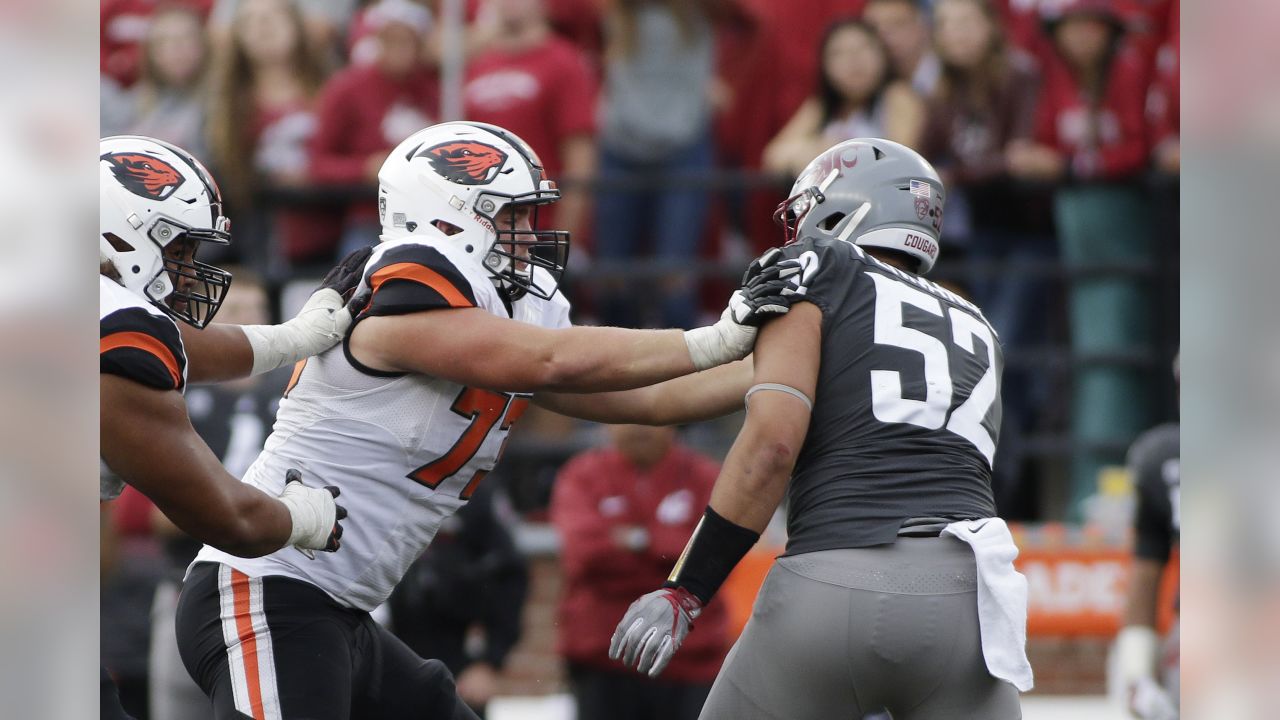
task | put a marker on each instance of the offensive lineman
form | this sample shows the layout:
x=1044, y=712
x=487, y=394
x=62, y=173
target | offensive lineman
x=157, y=204
x=460, y=326
x=876, y=409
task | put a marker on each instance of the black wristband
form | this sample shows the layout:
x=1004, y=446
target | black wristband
x=713, y=551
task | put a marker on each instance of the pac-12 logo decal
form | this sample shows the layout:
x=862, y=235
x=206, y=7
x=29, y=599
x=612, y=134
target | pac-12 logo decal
x=465, y=162
x=145, y=175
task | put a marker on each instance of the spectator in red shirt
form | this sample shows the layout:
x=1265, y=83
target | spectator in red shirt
x=366, y=110
x=261, y=118
x=624, y=514
x=540, y=87
x=1163, y=101
x=1091, y=130
x=1090, y=124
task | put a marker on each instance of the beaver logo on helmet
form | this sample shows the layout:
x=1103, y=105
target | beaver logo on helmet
x=145, y=175
x=465, y=162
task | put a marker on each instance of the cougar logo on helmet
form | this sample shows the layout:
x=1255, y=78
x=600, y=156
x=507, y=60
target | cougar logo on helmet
x=145, y=175
x=465, y=162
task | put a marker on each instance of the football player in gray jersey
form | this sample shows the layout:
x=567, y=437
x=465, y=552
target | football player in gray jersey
x=876, y=410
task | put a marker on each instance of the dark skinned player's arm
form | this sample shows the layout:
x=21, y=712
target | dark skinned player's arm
x=476, y=348
x=226, y=351
x=147, y=439
x=758, y=467
x=218, y=352
x=1144, y=589
x=693, y=398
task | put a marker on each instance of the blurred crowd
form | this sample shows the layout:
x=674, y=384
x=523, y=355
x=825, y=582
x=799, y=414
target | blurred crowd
x=675, y=127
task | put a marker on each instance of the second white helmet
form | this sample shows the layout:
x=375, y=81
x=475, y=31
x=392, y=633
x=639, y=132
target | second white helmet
x=460, y=183
x=157, y=204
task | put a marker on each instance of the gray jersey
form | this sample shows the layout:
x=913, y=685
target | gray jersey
x=907, y=413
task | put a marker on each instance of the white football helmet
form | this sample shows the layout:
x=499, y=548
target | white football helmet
x=451, y=181
x=154, y=199
x=873, y=193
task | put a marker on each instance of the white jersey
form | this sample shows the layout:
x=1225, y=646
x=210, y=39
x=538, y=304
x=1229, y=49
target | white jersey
x=407, y=450
x=136, y=340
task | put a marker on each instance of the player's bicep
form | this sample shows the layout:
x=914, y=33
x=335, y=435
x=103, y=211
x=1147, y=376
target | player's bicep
x=216, y=353
x=788, y=351
x=787, y=355
x=147, y=439
x=466, y=345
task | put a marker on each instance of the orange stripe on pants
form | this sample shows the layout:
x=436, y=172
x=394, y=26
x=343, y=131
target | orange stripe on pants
x=248, y=641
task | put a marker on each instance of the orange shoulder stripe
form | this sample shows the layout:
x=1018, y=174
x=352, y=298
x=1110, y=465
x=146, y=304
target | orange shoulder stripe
x=424, y=276
x=146, y=343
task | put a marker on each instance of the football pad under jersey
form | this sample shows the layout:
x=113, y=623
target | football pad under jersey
x=139, y=342
x=406, y=449
x=907, y=410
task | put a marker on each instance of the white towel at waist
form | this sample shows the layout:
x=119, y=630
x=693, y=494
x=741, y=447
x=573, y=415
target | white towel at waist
x=1002, y=599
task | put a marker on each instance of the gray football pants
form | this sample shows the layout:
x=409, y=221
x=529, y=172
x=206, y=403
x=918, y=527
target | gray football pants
x=840, y=633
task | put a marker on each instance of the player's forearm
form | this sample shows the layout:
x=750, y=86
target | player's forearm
x=218, y=352
x=692, y=398
x=1144, y=586
x=759, y=465
x=246, y=523
x=752, y=482
x=701, y=396
x=596, y=359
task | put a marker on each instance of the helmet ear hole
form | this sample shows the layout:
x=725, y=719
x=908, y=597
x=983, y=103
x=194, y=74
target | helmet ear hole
x=446, y=227
x=117, y=242
x=829, y=223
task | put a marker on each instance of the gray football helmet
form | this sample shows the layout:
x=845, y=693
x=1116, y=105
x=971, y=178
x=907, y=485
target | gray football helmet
x=871, y=192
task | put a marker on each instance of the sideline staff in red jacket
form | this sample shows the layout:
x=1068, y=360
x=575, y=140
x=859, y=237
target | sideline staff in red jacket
x=623, y=513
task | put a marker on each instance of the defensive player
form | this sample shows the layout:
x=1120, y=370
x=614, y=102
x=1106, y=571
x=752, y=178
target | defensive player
x=876, y=409
x=1143, y=674
x=460, y=326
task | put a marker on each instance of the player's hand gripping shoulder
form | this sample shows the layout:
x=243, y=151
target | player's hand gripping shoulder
x=654, y=628
x=315, y=514
x=320, y=324
x=769, y=287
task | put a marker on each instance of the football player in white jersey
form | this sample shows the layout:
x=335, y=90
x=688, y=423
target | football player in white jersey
x=458, y=327
x=157, y=205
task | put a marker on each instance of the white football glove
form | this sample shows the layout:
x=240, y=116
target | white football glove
x=1149, y=701
x=1131, y=676
x=723, y=342
x=769, y=287
x=319, y=325
x=315, y=515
